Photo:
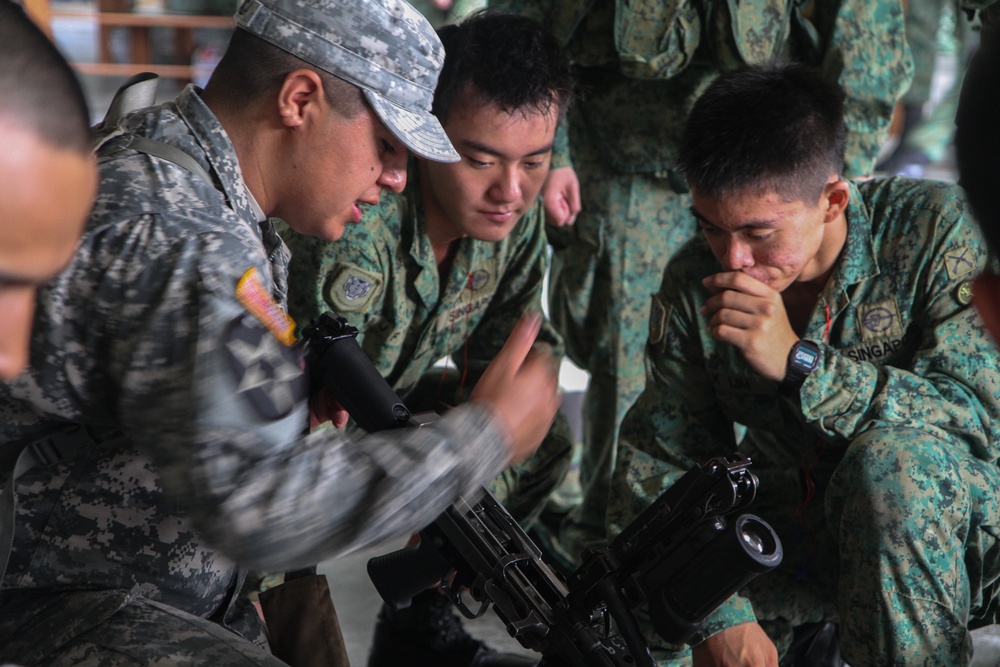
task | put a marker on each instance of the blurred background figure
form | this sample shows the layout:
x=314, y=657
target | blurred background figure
x=441, y=12
x=942, y=36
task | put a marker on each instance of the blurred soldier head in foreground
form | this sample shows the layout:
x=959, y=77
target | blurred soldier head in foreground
x=47, y=174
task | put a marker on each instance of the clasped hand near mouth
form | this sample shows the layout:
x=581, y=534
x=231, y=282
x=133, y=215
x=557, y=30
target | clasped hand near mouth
x=751, y=315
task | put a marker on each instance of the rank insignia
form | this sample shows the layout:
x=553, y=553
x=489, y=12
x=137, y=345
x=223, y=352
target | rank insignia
x=959, y=261
x=250, y=292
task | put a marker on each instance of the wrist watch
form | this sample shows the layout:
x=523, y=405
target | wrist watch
x=802, y=360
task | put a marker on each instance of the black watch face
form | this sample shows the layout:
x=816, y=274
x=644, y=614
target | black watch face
x=805, y=358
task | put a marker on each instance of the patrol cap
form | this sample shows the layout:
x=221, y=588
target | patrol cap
x=385, y=47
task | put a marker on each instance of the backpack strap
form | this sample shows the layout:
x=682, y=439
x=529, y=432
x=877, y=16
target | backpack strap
x=45, y=450
x=139, y=92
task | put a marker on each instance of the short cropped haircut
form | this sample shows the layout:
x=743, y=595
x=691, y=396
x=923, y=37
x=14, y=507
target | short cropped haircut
x=252, y=67
x=766, y=128
x=38, y=89
x=506, y=61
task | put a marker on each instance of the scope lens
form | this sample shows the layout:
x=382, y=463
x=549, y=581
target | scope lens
x=753, y=540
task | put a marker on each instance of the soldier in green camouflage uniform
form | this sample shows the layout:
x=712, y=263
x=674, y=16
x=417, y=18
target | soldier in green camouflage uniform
x=445, y=269
x=877, y=462
x=161, y=431
x=642, y=66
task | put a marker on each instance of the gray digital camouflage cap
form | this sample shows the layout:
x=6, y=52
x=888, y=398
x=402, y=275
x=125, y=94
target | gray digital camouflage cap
x=385, y=47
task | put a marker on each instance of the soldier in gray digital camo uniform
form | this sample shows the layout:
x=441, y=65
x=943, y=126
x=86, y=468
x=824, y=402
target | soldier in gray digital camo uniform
x=165, y=408
x=447, y=267
x=828, y=323
x=643, y=63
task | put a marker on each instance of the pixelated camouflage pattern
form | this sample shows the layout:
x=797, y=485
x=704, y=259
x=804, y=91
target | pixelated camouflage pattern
x=621, y=140
x=898, y=429
x=143, y=334
x=410, y=316
x=386, y=47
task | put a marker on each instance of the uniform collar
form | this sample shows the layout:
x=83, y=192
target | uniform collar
x=857, y=261
x=219, y=152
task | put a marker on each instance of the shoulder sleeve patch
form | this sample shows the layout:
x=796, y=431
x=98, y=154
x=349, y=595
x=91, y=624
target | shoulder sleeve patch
x=351, y=289
x=959, y=261
x=659, y=314
x=250, y=292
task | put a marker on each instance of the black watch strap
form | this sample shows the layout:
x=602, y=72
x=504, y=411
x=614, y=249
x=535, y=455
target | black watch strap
x=803, y=359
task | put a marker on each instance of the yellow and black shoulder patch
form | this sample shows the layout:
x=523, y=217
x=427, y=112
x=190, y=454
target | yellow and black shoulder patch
x=250, y=292
x=351, y=288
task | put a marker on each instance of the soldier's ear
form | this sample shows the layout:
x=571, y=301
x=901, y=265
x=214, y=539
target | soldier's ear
x=300, y=96
x=986, y=297
x=836, y=196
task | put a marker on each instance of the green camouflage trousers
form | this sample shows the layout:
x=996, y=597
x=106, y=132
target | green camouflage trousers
x=605, y=269
x=900, y=545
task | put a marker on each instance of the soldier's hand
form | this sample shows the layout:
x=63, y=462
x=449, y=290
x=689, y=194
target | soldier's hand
x=323, y=407
x=561, y=197
x=743, y=645
x=521, y=387
x=749, y=314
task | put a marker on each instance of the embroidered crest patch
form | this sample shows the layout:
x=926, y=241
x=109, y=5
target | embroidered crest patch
x=879, y=319
x=351, y=288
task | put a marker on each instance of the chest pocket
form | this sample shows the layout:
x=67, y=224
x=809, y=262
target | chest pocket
x=760, y=28
x=656, y=39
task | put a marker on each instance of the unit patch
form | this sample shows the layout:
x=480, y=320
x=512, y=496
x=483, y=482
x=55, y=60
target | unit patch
x=659, y=314
x=351, y=288
x=880, y=320
x=268, y=375
x=479, y=280
x=250, y=292
x=960, y=261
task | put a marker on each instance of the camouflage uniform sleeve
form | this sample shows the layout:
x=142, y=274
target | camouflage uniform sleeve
x=868, y=56
x=219, y=404
x=946, y=387
x=674, y=425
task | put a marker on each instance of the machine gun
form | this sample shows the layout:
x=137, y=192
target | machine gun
x=683, y=555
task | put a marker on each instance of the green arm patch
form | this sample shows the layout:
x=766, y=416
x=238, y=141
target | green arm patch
x=351, y=289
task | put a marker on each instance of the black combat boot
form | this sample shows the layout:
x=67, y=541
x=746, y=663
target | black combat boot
x=429, y=634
